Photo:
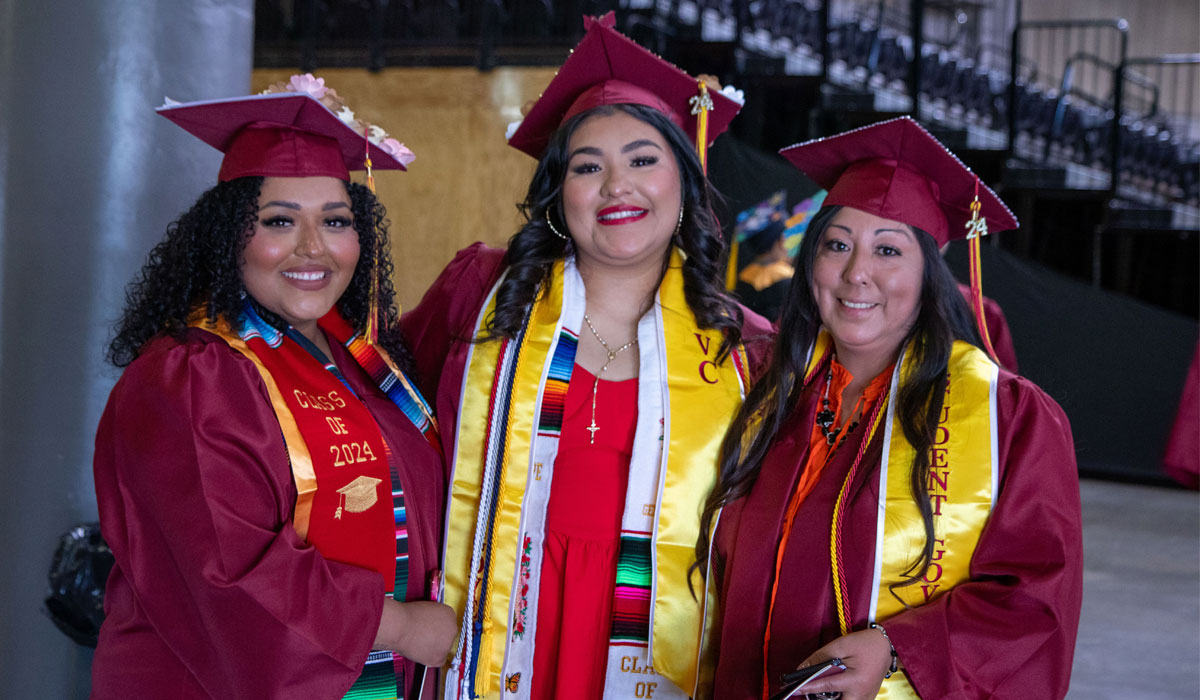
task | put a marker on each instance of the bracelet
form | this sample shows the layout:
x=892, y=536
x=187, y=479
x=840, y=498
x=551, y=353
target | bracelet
x=894, y=667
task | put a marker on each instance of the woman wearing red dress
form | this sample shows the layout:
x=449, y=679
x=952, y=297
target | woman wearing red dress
x=585, y=419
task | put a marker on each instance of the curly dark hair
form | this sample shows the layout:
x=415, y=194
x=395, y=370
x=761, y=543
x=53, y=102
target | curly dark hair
x=943, y=318
x=533, y=250
x=198, y=263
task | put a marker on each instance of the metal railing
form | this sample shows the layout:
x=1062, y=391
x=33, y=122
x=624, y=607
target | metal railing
x=1092, y=55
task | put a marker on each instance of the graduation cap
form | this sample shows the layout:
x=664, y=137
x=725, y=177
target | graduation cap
x=289, y=132
x=897, y=170
x=293, y=130
x=608, y=68
x=358, y=495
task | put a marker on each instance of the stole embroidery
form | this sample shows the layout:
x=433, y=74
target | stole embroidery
x=522, y=607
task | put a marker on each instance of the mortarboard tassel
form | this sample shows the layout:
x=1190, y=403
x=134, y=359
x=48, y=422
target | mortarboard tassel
x=731, y=268
x=372, y=329
x=702, y=104
x=976, y=230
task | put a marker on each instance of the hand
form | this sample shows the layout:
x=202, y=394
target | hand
x=867, y=655
x=421, y=630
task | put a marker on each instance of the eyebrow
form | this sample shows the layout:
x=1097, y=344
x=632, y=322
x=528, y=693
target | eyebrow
x=297, y=207
x=631, y=146
x=877, y=231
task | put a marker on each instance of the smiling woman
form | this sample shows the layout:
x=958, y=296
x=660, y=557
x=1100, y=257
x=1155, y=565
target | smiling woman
x=264, y=444
x=885, y=473
x=588, y=369
x=302, y=252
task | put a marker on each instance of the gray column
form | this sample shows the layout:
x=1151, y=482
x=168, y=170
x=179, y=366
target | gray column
x=89, y=179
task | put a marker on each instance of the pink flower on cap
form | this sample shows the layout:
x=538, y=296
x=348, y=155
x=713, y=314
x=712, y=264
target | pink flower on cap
x=308, y=83
x=398, y=151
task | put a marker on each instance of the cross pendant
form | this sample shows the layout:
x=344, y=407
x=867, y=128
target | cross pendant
x=592, y=429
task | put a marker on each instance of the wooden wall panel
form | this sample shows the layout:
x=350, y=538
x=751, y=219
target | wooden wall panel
x=465, y=183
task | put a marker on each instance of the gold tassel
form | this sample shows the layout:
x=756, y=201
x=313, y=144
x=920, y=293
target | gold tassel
x=372, y=329
x=702, y=104
x=731, y=269
x=976, y=230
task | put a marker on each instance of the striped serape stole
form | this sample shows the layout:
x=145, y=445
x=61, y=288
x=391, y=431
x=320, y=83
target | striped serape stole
x=631, y=596
x=383, y=675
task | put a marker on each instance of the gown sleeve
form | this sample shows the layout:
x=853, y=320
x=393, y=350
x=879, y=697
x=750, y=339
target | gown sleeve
x=195, y=494
x=1010, y=631
x=447, y=311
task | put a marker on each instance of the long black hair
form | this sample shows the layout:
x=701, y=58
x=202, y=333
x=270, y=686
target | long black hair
x=943, y=317
x=533, y=250
x=199, y=264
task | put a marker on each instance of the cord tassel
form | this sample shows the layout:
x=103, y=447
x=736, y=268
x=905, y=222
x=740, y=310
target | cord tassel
x=977, y=229
x=702, y=104
x=372, y=330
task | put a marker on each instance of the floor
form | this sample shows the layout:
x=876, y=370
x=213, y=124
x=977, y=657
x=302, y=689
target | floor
x=1139, y=636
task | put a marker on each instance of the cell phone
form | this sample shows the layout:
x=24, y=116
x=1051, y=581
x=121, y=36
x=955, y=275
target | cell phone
x=792, y=683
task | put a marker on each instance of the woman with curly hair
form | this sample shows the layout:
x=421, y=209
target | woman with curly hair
x=889, y=496
x=584, y=377
x=269, y=480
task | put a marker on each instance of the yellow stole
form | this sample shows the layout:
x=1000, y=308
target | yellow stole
x=962, y=488
x=701, y=399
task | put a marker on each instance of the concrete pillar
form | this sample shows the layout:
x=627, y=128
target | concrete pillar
x=89, y=179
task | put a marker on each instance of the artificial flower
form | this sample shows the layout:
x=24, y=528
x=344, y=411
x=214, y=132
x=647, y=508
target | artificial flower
x=308, y=83
x=398, y=151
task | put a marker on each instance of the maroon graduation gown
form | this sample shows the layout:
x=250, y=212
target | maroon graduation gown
x=439, y=328
x=1009, y=632
x=214, y=595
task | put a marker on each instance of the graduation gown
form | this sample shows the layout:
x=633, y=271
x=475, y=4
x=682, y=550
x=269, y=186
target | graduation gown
x=214, y=595
x=440, y=327
x=1008, y=632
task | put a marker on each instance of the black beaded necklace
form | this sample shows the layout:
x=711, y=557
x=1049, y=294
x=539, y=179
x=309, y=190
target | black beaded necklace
x=825, y=416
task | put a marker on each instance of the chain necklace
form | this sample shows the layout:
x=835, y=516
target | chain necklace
x=612, y=355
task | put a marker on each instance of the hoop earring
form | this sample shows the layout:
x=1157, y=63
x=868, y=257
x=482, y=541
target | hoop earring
x=552, y=229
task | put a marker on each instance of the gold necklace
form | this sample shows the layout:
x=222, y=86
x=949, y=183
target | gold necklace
x=612, y=355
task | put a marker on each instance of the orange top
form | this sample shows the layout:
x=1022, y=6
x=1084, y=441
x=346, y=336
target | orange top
x=819, y=452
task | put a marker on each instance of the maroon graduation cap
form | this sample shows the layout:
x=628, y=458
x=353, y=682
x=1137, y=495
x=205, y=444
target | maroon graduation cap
x=898, y=170
x=607, y=68
x=285, y=134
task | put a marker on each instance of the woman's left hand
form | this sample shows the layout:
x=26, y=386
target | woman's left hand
x=867, y=655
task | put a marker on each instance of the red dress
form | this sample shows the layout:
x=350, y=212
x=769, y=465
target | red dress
x=583, y=537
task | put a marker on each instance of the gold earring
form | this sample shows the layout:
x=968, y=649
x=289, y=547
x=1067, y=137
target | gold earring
x=551, y=225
